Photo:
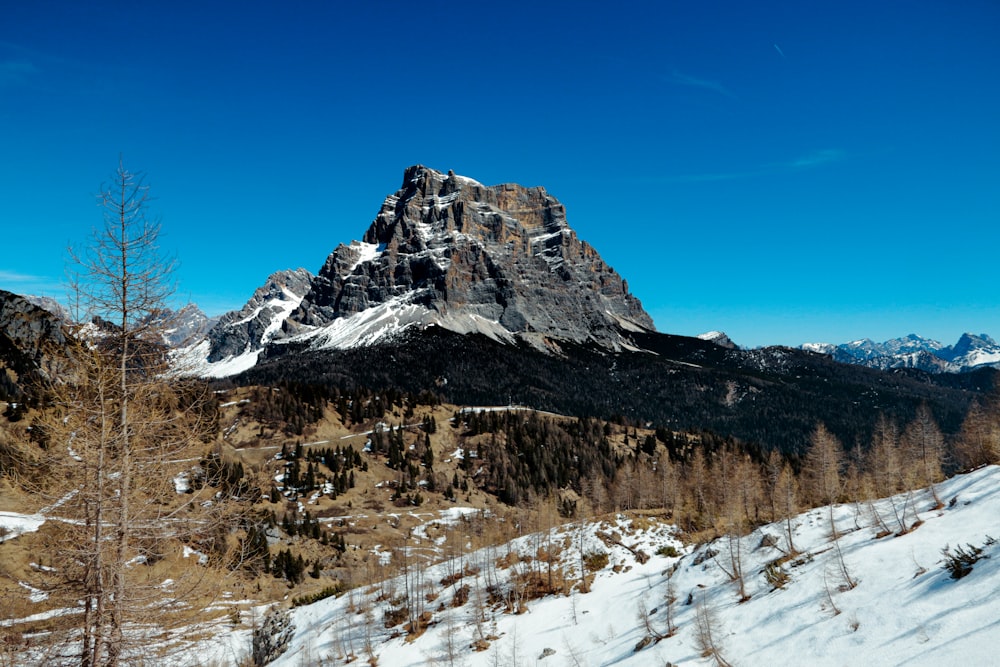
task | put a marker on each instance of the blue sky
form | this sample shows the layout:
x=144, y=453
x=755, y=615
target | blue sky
x=782, y=171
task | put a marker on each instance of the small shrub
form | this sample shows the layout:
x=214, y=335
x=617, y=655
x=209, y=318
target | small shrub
x=643, y=643
x=668, y=551
x=776, y=577
x=461, y=596
x=960, y=563
x=595, y=560
x=394, y=616
x=329, y=591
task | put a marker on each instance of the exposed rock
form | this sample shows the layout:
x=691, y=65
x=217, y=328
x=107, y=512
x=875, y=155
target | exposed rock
x=51, y=305
x=181, y=327
x=502, y=260
x=251, y=327
x=33, y=343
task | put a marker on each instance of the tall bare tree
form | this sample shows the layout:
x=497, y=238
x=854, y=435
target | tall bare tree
x=822, y=467
x=822, y=477
x=120, y=440
x=924, y=445
x=979, y=440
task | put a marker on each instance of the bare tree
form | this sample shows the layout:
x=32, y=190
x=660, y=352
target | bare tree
x=821, y=471
x=731, y=521
x=822, y=467
x=708, y=632
x=924, y=444
x=979, y=440
x=888, y=470
x=118, y=433
x=786, y=501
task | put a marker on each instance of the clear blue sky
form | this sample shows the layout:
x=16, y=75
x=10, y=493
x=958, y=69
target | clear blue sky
x=783, y=171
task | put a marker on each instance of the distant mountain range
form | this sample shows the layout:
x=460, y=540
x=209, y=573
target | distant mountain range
x=913, y=351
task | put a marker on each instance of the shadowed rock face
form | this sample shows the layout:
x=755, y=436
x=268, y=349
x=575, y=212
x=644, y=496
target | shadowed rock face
x=461, y=250
x=33, y=342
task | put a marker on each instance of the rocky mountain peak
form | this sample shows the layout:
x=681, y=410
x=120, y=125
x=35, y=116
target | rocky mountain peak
x=447, y=250
x=719, y=338
x=247, y=330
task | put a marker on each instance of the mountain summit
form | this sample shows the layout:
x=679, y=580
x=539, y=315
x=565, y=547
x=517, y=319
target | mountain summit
x=446, y=250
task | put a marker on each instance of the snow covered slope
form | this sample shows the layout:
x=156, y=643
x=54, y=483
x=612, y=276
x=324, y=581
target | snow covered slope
x=904, y=608
x=235, y=342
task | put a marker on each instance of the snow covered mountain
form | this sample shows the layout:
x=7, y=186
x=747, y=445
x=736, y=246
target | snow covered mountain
x=182, y=327
x=236, y=340
x=449, y=251
x=718, y=338
x=446, y=251
x=629, y=593
x=912, y=351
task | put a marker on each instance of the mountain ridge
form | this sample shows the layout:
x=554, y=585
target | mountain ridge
x=970, y=352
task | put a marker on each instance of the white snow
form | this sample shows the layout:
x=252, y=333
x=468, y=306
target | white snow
x=366, y=252
x=14, y=525
x=191, y=551
x=182, y=482
x=34, y=594
x=981, y=357
x=905, y=609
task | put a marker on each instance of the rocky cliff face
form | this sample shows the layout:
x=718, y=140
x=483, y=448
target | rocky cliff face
x=249, y=329
x=447, y=250
x=33, y=343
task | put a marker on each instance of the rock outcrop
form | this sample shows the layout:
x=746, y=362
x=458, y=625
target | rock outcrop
x=33, y=343
x=501, y=260
x=252, y=327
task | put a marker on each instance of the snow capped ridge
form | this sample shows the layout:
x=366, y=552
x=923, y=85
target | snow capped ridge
x=719, y=338
x=913, y=351
x=236, y=341
x=387, y=320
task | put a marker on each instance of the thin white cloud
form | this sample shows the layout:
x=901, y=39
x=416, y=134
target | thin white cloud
x=818, y=158
x=694, y=82
x=811, y=160
x=16, y=277
x=26, y=283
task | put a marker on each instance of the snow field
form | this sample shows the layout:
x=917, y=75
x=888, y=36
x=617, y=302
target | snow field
x=904, y=608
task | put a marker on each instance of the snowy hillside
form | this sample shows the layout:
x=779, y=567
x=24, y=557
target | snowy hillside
x=903, y=608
